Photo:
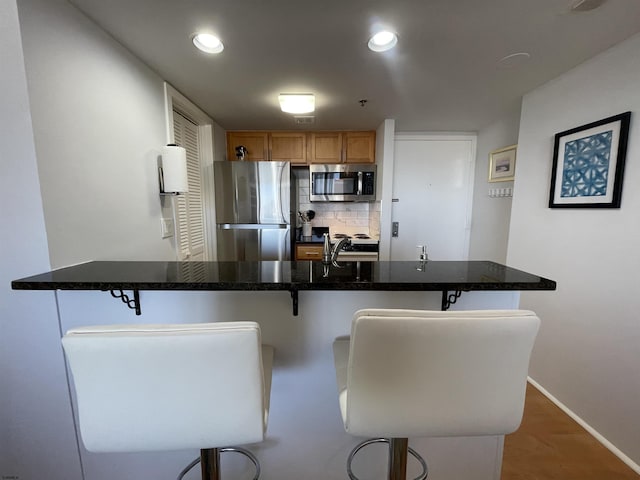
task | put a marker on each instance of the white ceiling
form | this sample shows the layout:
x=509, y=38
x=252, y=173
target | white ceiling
x=444, y=74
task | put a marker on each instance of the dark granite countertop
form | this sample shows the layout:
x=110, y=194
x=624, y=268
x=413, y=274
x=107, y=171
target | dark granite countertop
x=303, y=275
x=311, y=239
x=317, y=235
x=415, y=276
x=288, y=276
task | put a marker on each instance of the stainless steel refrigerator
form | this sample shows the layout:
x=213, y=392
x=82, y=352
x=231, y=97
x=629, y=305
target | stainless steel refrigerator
x=253, y=210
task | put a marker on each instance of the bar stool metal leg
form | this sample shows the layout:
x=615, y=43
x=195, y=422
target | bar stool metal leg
x=398, y=458
x=210, y=463
x=398, y=450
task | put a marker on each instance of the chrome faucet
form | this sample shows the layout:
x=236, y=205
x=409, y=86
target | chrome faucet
x=326, y=250
x=422, y=258
x=343, y=242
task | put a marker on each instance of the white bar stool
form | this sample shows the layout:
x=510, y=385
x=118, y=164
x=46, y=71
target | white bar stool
x=144, y=388
x=415, y=373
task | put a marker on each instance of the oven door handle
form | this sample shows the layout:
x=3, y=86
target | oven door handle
x=357, y=256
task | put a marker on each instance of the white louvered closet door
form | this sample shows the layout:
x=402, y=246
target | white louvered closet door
x=189, y=208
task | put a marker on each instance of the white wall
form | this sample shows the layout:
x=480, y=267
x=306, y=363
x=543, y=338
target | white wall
x=385, y=144
x=99, y=122
x=37, y=438
x=588, y=350
x=490, y=220
x=98, y=116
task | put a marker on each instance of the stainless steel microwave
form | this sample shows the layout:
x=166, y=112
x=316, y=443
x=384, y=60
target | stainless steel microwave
x=342, y=183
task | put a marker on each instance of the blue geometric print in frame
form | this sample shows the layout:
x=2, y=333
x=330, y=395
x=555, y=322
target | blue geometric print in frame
x=586, y=166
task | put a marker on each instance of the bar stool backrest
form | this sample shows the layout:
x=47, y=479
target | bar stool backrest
x=429, y=373
x=167, y=387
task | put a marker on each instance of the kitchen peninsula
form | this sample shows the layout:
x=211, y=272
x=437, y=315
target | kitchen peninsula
x=456, y=276
x=305, y=436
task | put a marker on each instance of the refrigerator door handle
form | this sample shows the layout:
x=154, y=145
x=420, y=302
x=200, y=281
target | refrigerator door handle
x=251, y=226
x=281, y=197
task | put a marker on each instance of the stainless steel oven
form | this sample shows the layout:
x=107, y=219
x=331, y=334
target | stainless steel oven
x=342, y=183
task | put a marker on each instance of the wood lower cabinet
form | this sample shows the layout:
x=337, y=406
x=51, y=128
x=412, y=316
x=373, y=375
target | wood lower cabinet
x=308, y=251
x=256, y=143
x=303, y=148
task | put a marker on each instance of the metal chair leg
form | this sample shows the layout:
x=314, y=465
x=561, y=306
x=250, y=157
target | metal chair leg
x=398, y=449
x=210, y=462
x=398, y=458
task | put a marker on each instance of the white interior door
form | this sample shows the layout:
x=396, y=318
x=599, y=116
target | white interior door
x=432, y=195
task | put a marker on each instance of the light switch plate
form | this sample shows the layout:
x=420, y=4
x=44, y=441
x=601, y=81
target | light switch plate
x=166, y=226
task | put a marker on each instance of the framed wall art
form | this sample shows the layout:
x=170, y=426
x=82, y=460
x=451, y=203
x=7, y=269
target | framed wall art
x=588, y=164
x=502, y=164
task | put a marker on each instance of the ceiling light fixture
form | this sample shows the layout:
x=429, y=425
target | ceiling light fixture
x=207, y=43
x=514, y=59
x=297, y=102
x=383, y=41
x=586, y=5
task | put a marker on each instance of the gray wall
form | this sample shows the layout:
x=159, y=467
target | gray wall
x=490, y=221
x=99, y=122
x=588, y=350
x=37, y=438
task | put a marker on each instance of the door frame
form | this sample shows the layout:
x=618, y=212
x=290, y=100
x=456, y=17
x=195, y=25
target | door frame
x=174, y=100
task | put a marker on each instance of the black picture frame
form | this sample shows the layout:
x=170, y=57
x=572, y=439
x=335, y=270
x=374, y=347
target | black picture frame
x=588, y=164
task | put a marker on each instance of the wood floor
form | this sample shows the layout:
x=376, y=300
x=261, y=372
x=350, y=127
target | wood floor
x=551, y=446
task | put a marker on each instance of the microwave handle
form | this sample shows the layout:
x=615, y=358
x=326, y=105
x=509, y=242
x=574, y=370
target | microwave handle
x=359, y=192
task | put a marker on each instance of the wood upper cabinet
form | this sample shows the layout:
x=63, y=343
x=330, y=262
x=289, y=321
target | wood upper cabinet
x=256, y=143
x=359, y=147
x=265, y=146
x=342, y=147
x=325, y=147
x=288, y=147
x=303, y=148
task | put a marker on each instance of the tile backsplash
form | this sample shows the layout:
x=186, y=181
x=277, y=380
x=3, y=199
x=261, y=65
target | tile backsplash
x=344, y=217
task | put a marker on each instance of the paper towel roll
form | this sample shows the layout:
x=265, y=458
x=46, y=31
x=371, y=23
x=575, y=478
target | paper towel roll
x=174, y=169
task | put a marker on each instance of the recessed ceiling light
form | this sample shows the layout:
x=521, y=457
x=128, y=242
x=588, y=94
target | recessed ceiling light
x=514, y=59
x=383, y=41
x=207, y=43
x=586, y=5
x=297, y=102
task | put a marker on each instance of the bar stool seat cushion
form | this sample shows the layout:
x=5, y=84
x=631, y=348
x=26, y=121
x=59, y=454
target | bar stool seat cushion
x=170, y=387
x=417, y=373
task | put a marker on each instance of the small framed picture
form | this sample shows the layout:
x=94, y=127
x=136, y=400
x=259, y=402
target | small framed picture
x=502, y=164
x=588, y=164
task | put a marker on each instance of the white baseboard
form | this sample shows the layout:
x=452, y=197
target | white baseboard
x=607, y=444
